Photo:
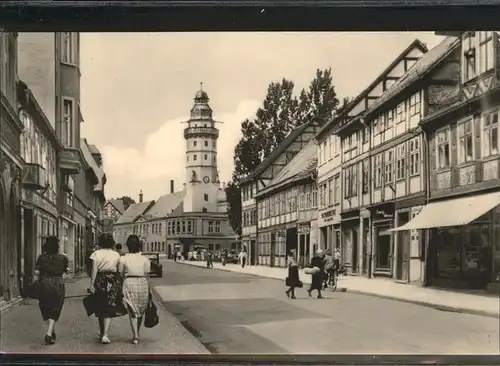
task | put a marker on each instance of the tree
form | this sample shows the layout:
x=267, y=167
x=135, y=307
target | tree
x=247, y=153
x=127, y=201
x=321, y=97
x=233, y=196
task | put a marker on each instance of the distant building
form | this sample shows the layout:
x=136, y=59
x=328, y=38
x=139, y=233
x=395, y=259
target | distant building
x=195, y=216
x=113, y=209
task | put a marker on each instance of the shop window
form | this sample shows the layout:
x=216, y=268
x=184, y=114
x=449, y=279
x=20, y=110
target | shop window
x=491, y=133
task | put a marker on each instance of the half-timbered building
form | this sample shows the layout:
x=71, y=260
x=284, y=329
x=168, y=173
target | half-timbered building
x=463, y=133
x=287, y=211
x=260, y=177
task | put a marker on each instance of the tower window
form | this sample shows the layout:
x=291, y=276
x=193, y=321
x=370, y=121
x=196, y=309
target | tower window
x=204, y=125
x=214, y=158
x=187, y=158
x=205, y=197
x=205, y=209
x=195, y=157
x=206, y=143
x=206, y=156
x=214, y=144
x=195, y=143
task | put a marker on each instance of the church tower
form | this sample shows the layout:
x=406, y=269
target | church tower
x=202, y=176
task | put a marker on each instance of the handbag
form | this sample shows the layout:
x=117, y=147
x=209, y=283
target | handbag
x=90, y=304
x=288, y=282
x=34, y=289
x=300, y=284
x=151, y=318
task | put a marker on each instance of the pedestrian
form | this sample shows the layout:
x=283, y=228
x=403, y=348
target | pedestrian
x=210, y=263
x=224, y=257
x=49, y=269
x=88, y=261
x=319, y=276
x=243, y=258
x=119, y=249
x=336, y=259
x=106, y=285
x=135, y=268
x=293, y=279
x=329, y=267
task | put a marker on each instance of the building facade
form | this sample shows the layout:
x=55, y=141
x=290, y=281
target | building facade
x=256, y=181
x=462, y=218
x=288, y=210
x=113, y=209
x=40, y=147
x=49, y=63
x=11, y=165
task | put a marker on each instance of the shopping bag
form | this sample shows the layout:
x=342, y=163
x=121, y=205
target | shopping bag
x=288, y=282
x=90, y=304
x=151, y=318
x=34, y=290
x=300, y=284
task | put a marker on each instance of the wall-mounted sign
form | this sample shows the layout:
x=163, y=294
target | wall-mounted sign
x=329, y=215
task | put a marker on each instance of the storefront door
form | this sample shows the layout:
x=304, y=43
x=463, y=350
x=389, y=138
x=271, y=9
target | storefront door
x=273, y=248
x=253, y=251
x=355, y=251
x=366, y=241
x=383, y=254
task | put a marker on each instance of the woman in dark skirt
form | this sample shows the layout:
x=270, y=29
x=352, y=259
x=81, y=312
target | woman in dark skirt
x=106, y=285
x=319, y=277
x=50, y=267
x=293, y=280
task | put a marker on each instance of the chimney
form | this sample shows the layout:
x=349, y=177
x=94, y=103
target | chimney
x=141, y=197
x=171, y=186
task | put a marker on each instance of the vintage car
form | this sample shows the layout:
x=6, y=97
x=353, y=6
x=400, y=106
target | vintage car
x=156, y=266
x=232, y=257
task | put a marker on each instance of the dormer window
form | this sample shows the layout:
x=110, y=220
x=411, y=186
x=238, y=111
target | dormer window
x=469, y=48
x=478, y=54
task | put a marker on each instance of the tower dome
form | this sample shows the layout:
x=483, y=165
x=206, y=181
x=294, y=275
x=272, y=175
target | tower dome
x=201, y=95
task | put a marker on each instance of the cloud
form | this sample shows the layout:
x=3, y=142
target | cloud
x=163, y=155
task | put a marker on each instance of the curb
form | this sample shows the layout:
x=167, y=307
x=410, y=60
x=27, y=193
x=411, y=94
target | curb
x=452, y=309
x=159, y=302
x=10, y=304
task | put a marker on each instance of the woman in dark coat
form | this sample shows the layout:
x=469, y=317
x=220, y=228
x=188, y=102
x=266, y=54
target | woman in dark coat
x=318, y=277
x=293, y=279
x=50, y=267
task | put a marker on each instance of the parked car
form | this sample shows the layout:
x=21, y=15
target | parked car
x=156, y=266
x=232, y=257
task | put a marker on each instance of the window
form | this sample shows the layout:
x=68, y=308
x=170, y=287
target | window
x=465, y=146
x=330, y=191
x=205, y=156
x=414, y=156
x=204, y=209
x=330, y=146
x=195, y=143
x=350, y=181
x=389, y=166
x=469, y=61
x=401, y=113
x=169, y=228
x=486, y=52
x=336, y=147
x=390, y=119
x=214, y=226
x=205, y=197
x=377, y=170
x=214, y=144
x=190, y=226
x=401, y=162
x=443, y=148
x=336, y=189
x=177, y=227
x=365, y=177
x=415, y=104
x=365, y=134
x=206, y=142
x=324, y=150
x=195, y=157
x=67, y=123
x=351, y=146
x=490, y=133
x=69, y=48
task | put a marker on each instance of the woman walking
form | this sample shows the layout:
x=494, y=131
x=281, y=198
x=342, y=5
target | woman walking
x=50, y=267
x=105, y=284
x=293, y=274
x=135, y=269
x=317, y=277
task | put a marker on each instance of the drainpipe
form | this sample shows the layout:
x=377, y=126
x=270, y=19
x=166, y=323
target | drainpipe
x=427, y=235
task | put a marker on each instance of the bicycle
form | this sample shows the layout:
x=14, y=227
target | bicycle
x=332, y=280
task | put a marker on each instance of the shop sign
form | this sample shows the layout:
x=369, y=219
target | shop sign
x=303, y=229
x=329, y=215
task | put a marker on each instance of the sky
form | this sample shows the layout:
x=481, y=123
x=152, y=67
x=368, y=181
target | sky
x=137, y=88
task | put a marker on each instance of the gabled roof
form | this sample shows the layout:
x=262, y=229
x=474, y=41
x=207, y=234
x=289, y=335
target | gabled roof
x=165, y=205
x=118, y=204
x=302, y=166
x=421, y=68
x=271, y=158
x=415, y=44
x=133, y=212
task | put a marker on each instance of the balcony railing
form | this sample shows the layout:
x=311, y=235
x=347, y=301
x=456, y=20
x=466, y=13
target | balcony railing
x=200, y=131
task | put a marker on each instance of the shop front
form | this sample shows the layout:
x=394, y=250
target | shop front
x=329, y=229
x=464, y=241
x=350, y=241
x=304, y=251
x=272, y=243
x=382, y=218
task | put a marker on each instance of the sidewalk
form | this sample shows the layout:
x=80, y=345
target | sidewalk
x=22, y=330
x=478, y=304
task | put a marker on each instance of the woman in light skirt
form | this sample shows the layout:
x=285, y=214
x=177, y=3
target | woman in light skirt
x=135, y=268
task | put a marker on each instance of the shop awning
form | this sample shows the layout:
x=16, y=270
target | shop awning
x=453, y=212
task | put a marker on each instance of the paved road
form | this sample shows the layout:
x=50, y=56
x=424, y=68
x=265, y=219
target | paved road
x=238, y=313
